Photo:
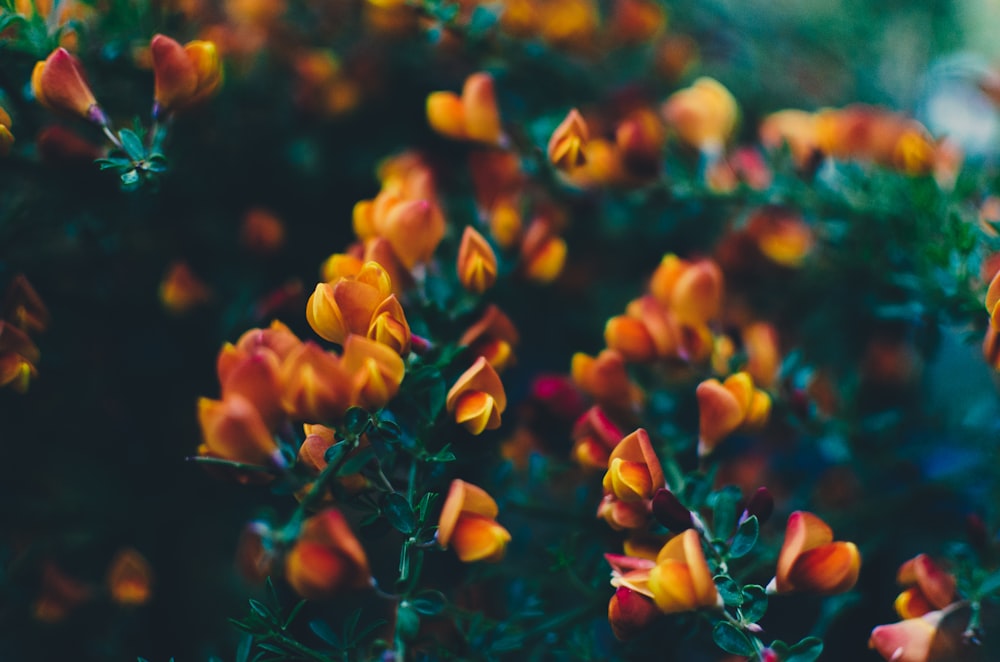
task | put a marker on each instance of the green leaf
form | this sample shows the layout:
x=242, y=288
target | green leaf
x=130, y=178
x=355, y=463
x=723, y=503
x=260, y=609
x=356, y=421
x=335, y=452
x=292, y=614
x=425, y=504
x=156, y=163
x=389, y=430
x=732, y=640
x=397, y=510
x=443, y=455
x=429, y=603
x=754, y=603
x=132, y=145
x=807, y=650
x=325, y=632
x=113, y=162
x=989, y=585
x=407, y=621
x=729, y=590
x=745, y=539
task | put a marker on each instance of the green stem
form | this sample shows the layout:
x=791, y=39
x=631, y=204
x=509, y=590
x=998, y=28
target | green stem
x=203, y=459
x=318, y=488
x=299, y=648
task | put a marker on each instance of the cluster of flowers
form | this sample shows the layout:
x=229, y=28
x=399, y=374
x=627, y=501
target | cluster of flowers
x=22, y=313
x=128, y=582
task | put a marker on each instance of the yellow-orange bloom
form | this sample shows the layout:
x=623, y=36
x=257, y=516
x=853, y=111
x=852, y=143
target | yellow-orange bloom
x=473, y=116
x=233, y=429
x=477, y=263
x=262, y=232
x=477, y=398
x=182, y=291
x=796, y=128
x=60, y=84
x=595, y=435
x=468, y=524
x=692, y=291
x=929, y=587
x=634, y=472
x=184, y=75
x=374, y=372
x=703, y=115
x=313, y=384
x=728, y=406
x=327, y=558
x=252, y=374
x=906, y=641
x=130, y=578
x=567, y=146
x=492, y=337
x=605, y=379
x=543, y=253
x=680, y=580
x=811, y=561
x=6, y=137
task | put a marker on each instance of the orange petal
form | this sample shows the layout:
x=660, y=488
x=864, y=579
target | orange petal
x=482, y=118
x=827, y=569
x=628, y=481
x=446, y=114
x=911, y=603
x=176, y=77
x=479, y=377
x=389, y=326
x=719, y=414
x=637, y=447
x=130, y=578
x=477, y=411
x=478, y=538
x=477, y=263
x=803, y=532
x=906, y=641
x=630, y=337
x=934, y=583
x=466, y=498
x=686, y=548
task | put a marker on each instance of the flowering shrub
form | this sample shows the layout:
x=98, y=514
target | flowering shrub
x=542, y=329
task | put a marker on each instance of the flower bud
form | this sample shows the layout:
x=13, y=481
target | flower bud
x=630, y=612
x=670, y=512
x=184, y=75
x=681, y=580
x=59, y=84
x=477, y=398
x=477, y=263
x=130, y=578
x=327, y=558
x=566, y=148
x=810, y=561
x=468, y=524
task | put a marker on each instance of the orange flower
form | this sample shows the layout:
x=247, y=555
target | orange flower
x=234, y=430
x=781, y=235
x=24, y=307
x=810, y=561
x=468, y=524
x=473, y=116
x=374, y=372
x=630, y=612
x=477, y=263
x=59, y=594
x=477, y=398
x=930, y=587
x=621, y=515
x=130, y=578
x=314, y=384
x=262, y=232
x=181, y=291
x=796, y=128
x=567, y=146
x=595, y=435
x=543, y=254
x=605, y=379
x=413, y=226
x=60, y=85
x=492, y=337
x=634, y=472
x=636, y=21
x=724, y=408
x=184, y=75
x=6, y=137
x=327, y=558
x=703, y=115
x=693, y=291
x=253, y=375
x=18, y=356
x=760, y=341
x=906, y=641
x=680, y=580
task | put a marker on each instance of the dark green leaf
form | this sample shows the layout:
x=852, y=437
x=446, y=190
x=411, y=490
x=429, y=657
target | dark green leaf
x=429, y=603
x=334, y=453
x=425, y=504
x=156, y=163
x=354, y=463
x=729, y=590
x=989, y=585
x=251, y=628
x=399, y=513
x=754, y=603
x=132, y=145
x=807, y=650
x=113, y=162
x=130, y=178
x=746, y=538
x=389, y=430
x=292, y=614
x=260, y=609
x=243, y=650
x=732, y=640
x=723, y=503
x=443, y=455
x=272, y=648
x=325, y=632
x=407, y=621
x=356, y=421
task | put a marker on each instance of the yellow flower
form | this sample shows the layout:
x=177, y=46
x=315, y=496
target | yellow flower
x=477, y=263
x=468, y=524
x=477, y=398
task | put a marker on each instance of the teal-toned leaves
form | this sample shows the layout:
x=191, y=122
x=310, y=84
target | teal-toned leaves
x=729, y=590
x=731, y=639
x=429, y=603
x=399, y=513
x=745, y=538
x=407, y=621
x=723, y=503
x=754, y=603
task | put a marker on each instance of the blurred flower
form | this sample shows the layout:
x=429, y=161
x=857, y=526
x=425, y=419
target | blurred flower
x=262, y=232
x=704, y=115
x=468, y=524
x=930, y=587
x=636, y=21
x=760, y=341
x=252, y=374
x=59, y=594
x=595, y=435
x=605, y=379
x=413, y=226
x=681, y=580
x=6, y=137
x=795, y=128
x=24, y=307
x=724, y=407
x=567, y=145
x=314, y=385
x=184, y=75
x=810, y=561
x=781, y=235
x=130, y=578
x=477, y=399
x=640, y=138
x=477, y=263
x=473, y=116
x=906, y=641
x=60, y=84
x=61, y=146
x=326, y=558
x=543, y=254
x=18, y=356
x=492, y=337
x=181, y=291
x=692, y=290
